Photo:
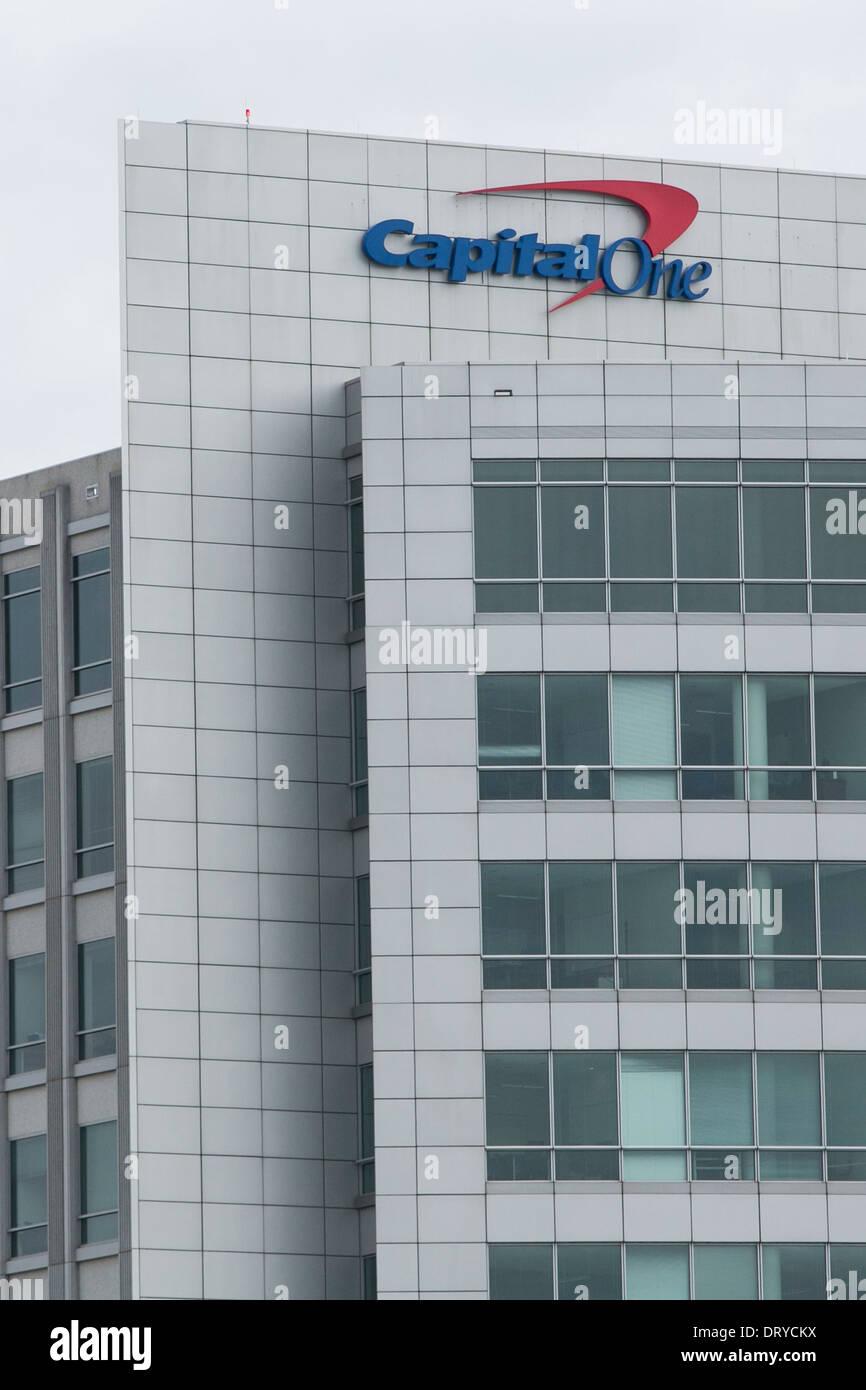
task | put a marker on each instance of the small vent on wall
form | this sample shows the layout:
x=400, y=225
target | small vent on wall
x=91, y=491
x=503, y=391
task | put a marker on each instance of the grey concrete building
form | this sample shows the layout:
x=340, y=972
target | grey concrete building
x=494, y=725
x=64, y=1111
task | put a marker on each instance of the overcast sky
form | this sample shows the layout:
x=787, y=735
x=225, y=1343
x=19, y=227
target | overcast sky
x=603, y=76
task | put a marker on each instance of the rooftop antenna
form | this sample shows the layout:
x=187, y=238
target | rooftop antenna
x=247, y=114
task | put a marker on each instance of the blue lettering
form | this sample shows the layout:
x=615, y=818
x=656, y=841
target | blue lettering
x=373, y=242
x=643, y=272
x=560, y=261
x=590, y=245
x=504, y=252
x=701, y=270
x=433, y=252
x=462, y=260
x=527, y=245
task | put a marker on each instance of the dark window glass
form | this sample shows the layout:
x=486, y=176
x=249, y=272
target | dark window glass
x=640, y=532
x=509, y=720
x=581, y=909
x=26, y=1013
x=506, y=538
x=99, y=1164
x=29, y=1195
x=23, y=639
x=592, y=1272
x=711, y=721
x=512, y=909
x=360, y=795
x=506, y=598
x=518, y=1103
x=521, y=1272
x=778, y=714
x=707, y=533
x=785, y=920
x=97, y=1036
x=776, y=598
x=842, y=893
x=575, y=720
x=369, y=1278
x=715, y=910
x=573, y=598
x=366, y=1134
x=840, y=721
x=845, y=1098
x=774, y=532
x=584, y=1097
x=356, y=548
x=25, y=832
x=645, y=906
x=91, y=615
x=572, y=532
x=838, y=532
x=639, y=470
x=794, y=1272
x=95, y=817
x=844, y=1259
x=705, y=470
x=720, y=1098
x=362, y=919
x=789, y=1100
x=708, y=598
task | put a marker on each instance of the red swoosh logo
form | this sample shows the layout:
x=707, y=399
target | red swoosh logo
x=669, y=211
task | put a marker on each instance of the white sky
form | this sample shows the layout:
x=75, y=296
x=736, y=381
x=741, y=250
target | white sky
x=603, y=76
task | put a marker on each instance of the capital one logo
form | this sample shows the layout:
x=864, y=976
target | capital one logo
x=669, y=211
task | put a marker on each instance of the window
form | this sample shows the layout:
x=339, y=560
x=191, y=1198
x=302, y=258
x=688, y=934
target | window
x=644, y=737
x=95, y=817
x=29, y=1196
x=789, y=1115
x=653, y=1116
x=356, y=554
x=598, y=1272
x=588, y=1272
x=585, y=535
x=518, y=1114
x=840, y=736
x=22, y=601
x=736, y=925
x=780, y=737
x=99, y=1165
x=360, y=790
x=25, y=834
x=368, y=1276
x=794, y=1272
x=711, y=736
x=657, y=1272
x=91, y=622
x=97, y=1035
x=523, y=1272
x=658, y=1116
x=842, y=893
x=368, y=1149
x=509, y=737
x=688, y=736
x=26, y=1014
x=363, y=973
x=720, y=1115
